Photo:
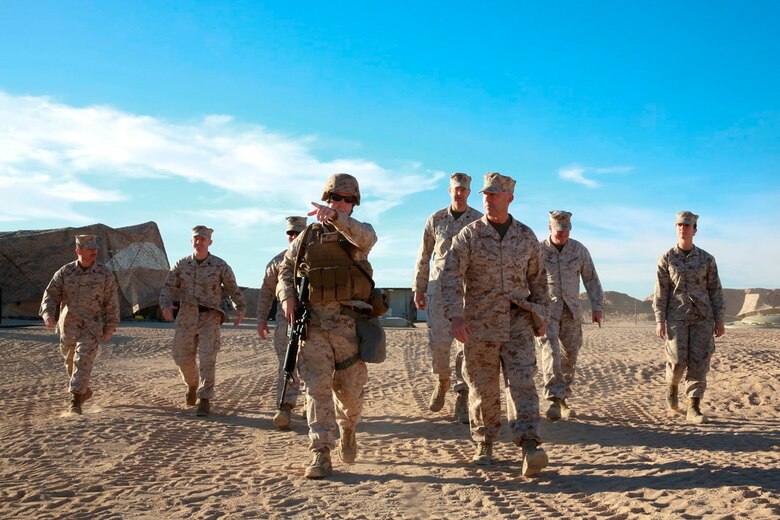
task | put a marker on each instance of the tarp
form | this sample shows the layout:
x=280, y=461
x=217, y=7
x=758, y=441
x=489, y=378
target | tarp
x=135, y=254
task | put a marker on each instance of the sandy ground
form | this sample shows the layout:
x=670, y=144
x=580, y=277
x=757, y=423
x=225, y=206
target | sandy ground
x=138, y=452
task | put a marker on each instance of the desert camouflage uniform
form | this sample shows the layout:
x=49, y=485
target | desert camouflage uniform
x=90, y=309
x=689, y=298
x=199, y=289
x=264, y=304
x=332, y=396
x=437, y=237
x=561, y=344
x=505, y=299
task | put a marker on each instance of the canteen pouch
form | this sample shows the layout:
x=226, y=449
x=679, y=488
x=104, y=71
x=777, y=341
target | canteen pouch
x=371, y=339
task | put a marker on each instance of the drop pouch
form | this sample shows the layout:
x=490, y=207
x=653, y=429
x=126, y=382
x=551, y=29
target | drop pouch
x=371, y=339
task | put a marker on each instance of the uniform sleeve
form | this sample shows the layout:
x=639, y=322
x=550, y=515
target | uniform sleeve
x=285, y=287
x=171, y=284
x=361, y=234
x=662, y=288
x=537, y=279
x=591, y=281
x=455, y=265
x=230, y=285
x=52, y=296
x=715, y=291
x=267, y=291
x=422, y=268
x=110, y=305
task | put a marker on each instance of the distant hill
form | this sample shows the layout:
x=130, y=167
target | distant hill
x=740, y=303
x=620, y=306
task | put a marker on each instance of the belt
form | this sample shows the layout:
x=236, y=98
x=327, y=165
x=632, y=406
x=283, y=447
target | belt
x=203, y=308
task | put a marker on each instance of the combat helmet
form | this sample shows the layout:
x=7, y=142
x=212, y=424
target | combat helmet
x=342, y=183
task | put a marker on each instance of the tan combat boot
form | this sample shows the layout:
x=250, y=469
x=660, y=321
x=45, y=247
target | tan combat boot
x=694, y=412
x=203, y=408
x=347, y=449
x=553, y=413
x=462, y=407
x=320, y=466
x=439, y=393
x=566, y=410
x=484, y=454
x=191, y=398
x=283, y=417
x=671, y=397
x=534, y=458
x=75, y=403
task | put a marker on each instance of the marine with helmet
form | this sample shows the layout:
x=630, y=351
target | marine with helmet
x=333, y=255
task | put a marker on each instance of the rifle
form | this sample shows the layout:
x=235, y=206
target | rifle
x=297, y=333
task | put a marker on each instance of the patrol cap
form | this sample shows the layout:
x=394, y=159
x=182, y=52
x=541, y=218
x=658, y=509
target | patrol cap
x=342, y=183
x=460, y=180
x=686, y=217
x=295, y=224
x=86, y=241
x=497, y=183
x=560, y=220
x=202, y=231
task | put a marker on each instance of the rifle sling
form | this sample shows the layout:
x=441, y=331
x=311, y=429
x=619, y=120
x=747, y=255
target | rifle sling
x=343, y=365
x=360, y=268
x=298, y=257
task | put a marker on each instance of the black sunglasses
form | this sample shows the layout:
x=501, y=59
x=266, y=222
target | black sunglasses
x=349, y=199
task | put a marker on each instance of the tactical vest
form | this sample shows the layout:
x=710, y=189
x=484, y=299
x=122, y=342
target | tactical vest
x=333, y=274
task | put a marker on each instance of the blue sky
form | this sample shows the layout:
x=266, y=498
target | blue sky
x=234, y=115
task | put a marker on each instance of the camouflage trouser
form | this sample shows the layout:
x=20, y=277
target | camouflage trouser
x=80, y=354
x=517, y=358
x=560, y=348
x=690, y=345
x=197, y=334
x=332, y=396
x=280, y=345
x=440, y=339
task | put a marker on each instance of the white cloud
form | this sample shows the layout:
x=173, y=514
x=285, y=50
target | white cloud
x=61, y=145
x=247, y=216
x=576, y=173
x=44, y=196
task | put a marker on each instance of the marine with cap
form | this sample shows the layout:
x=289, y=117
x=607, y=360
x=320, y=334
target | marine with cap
x=566, y=262
x=197, y=281
x=85, y=294
x=295, y=225
x=439, y=229
x=688, y=304
x=495, y=294
x=332, y=254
